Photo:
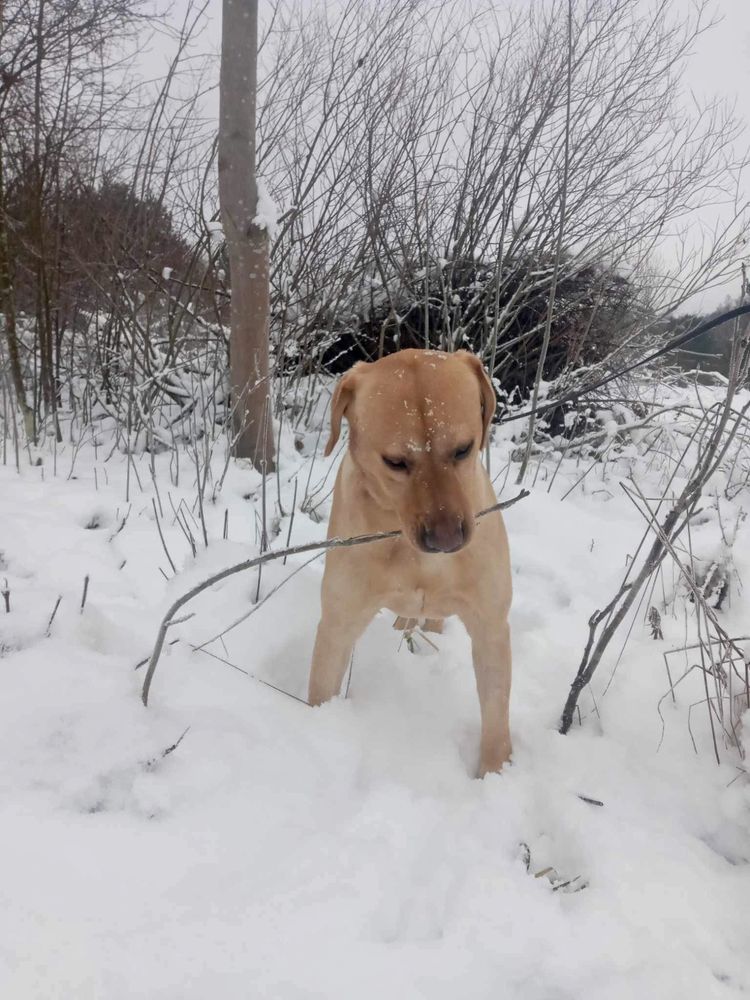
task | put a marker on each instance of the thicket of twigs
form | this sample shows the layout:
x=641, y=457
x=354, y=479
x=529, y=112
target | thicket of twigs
x=446, y=175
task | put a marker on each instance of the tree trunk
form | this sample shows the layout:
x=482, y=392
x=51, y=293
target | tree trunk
x=8, y=309
x=247, y=242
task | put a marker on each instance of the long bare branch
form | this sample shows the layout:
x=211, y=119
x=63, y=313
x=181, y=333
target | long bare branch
x=331, y=543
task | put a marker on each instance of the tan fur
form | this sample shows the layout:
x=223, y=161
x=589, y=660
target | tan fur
x=418, y=406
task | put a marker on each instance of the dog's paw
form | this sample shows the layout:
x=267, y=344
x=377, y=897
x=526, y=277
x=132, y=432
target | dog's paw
x=494, y=760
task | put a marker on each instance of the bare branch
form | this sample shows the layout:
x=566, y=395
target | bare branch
x=331, y=543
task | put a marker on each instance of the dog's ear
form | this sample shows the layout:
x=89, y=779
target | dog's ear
x=487, y=390
x=342, y=397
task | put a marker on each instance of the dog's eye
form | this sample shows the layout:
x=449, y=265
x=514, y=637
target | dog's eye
x=463, y=452
x=397, y=464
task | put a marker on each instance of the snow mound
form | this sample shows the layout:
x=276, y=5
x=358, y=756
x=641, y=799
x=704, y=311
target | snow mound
x=230, y=841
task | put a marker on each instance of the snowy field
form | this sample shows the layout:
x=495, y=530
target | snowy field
x=284, y=852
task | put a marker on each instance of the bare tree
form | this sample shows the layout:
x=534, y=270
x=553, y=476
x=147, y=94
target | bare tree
x=433, y=154
x=53, y=103
x=246, y=236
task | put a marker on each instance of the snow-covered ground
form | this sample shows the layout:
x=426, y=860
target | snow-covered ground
x=347, y=851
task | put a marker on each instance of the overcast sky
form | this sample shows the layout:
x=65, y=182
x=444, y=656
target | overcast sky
x=720, y=67
x=722, y=62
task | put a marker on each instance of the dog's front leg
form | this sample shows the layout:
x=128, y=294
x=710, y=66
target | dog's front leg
x=339, y=629
x=490, y=646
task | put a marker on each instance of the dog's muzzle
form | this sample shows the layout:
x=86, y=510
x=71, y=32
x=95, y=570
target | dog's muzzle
x=444, y=535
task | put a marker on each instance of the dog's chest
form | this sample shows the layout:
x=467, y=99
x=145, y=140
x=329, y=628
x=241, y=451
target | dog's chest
x=421, y=593
x=408, y=604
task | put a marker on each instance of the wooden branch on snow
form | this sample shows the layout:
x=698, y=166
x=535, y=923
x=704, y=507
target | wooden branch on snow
x=332, y=543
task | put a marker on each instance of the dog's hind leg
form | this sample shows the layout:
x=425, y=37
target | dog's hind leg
x=433, y=625
x=402, y=624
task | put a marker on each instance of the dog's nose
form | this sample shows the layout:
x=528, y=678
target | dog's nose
x=445, y=535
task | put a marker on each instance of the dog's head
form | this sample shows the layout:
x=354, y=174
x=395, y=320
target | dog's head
x=417, y=423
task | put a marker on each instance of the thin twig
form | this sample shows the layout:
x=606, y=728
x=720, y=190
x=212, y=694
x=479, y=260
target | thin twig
x=161, y=536
x=168, y=750
x=558, y=256
x=52, y=616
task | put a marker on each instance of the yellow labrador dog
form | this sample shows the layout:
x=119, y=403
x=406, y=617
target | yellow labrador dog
x=417, y=423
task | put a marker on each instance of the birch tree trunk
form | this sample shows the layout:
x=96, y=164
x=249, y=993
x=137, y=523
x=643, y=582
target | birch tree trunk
x=247, y=243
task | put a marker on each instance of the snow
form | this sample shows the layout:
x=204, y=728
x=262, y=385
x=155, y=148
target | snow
x=266, y=214
x=215, y=232
x=344, y=851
